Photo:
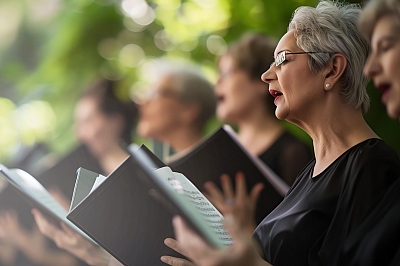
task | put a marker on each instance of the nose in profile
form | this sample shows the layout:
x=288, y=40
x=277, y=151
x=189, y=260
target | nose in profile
x=269, y=75
x=372, y=66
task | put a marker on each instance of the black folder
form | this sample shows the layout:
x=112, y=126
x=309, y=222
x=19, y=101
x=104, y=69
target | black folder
x=130, y=214
x=154, y=159
x=36, y=195
x=221, y=153
x=123, y=216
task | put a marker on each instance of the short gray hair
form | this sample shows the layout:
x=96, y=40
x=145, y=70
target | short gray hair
x=332, y=27
x=194, y=88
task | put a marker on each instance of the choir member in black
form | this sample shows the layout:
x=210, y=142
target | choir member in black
x=176, y=108
x=317, y=83
x=102, y=120
x=244, y=101
x=376, y=241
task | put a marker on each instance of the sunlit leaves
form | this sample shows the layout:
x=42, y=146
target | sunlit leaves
x=216, y=45
x=8, y=135
x=184, y=24
x=117, y=39
x=30, y=123
x=10, y=19
x=131, y=55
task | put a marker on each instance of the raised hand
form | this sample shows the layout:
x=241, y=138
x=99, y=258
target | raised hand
x=240, y=205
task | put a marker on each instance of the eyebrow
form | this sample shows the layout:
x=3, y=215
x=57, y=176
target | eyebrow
x=389, y=37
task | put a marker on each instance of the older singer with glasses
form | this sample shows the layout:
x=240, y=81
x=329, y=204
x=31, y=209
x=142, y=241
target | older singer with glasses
x=318, y=84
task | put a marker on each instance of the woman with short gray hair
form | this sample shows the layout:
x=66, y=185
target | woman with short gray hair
x=352, y=166
x=176, y=109
x=243, y=100
x=327, y=30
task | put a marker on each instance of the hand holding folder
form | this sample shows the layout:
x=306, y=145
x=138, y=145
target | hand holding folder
x=71, y=241
x=123, y=216
x=36, y=195
x=241, y=252
x=129, y=214
x=238, y=208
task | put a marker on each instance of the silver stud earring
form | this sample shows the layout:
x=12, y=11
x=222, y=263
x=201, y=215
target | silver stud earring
x=327, y=85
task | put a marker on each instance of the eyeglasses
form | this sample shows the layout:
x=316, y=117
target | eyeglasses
x=227, y=73
x=281, y=57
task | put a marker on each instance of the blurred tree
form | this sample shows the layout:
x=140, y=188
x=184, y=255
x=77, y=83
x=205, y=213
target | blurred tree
x=55, y=48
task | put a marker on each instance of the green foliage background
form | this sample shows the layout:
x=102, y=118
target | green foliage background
x=54, y=56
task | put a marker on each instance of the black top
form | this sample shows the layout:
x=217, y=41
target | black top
x=63, y=174
x=317, y=213
x=287, y=156
x=377, y=240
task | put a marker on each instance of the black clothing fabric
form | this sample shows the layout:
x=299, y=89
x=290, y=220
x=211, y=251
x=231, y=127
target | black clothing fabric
x=377, y=240
x=315, y=217
x=287, y=156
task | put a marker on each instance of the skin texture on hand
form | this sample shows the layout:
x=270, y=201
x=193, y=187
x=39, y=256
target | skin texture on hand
x=66, y=238
x=240, y=205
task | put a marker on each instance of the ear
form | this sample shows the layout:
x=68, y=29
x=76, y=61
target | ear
x=191, y=113
x=334, y=71
x=116, y=122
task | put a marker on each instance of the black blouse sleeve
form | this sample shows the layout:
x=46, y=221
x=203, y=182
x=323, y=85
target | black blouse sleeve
x=376, y=241
x=372, y=172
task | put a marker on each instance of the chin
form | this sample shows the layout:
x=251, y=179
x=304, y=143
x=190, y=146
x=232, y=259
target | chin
x=222, y=116
x=96, y=151
x=393, y=112
x=280, y=114
x=142, y=130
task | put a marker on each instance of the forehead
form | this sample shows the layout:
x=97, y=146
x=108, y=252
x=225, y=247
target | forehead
x=287, y=42
x=387, y=25
x=166, y=81
x=86, y=106
x=226, y=61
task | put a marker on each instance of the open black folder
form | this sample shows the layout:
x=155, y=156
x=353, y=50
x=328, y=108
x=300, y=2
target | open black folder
x=221, y=153
x=129, y=214
x=37, y=196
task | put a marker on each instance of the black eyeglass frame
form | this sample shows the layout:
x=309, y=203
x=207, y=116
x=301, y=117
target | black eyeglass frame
x=281, y=56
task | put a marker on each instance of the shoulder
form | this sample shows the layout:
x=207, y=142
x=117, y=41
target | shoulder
x=370, y=169
x=374, y=145
x=373, y=153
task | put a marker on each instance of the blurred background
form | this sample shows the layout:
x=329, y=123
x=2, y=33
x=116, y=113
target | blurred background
x=51, y=49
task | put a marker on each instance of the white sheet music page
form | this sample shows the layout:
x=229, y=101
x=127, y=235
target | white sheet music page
x=98, y=181
x=33, y=187
x=197, y=205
